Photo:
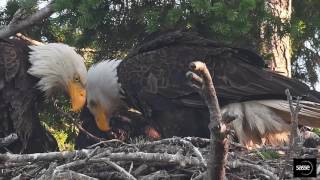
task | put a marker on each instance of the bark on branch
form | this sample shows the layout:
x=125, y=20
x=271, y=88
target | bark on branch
x=295, y=138
x=219, y=142
x=18, y=24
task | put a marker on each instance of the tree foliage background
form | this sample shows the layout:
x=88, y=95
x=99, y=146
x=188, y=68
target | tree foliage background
x=111, y=27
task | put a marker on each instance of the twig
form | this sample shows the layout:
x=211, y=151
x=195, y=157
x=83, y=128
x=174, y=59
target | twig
x=120, y=169
x=178, y=140
x=51, y=156
x=141, y=169
x=315, y=151
x=176, y=159
x=18, y=24
x=295, y=141
x=94, y=152
x=70, y=165
x=237, y=163
x=200, y=176
x=219, y=142
x=131, y=167
x=105, y=175
x=78, y=162
x=6, y=141
x=110, y=141
x=68, y=174
x=48, y=173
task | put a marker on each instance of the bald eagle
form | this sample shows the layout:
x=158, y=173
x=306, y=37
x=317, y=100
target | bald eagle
x=28, y=73
x=152, y=79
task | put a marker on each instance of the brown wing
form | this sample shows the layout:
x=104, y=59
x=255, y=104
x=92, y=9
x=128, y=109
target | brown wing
x=18, y=99
x=9, y=62
x=153, y=76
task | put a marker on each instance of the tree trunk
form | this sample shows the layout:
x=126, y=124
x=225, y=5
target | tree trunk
x=279, y=47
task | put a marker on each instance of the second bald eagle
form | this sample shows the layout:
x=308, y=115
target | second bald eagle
x=153, y=80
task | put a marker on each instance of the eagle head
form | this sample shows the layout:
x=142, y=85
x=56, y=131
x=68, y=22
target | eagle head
x=103, y=92
x=59, y=67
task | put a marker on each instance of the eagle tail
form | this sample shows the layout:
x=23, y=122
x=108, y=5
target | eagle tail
x=268, y=121
x=309, y=115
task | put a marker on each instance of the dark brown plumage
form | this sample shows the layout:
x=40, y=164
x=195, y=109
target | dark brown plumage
x=18, y=101
x=153, y=77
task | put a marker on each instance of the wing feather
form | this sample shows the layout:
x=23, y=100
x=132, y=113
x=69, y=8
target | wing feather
x=237, y=73
x=9, y=62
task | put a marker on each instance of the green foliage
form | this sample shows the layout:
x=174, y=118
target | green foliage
x=152, y=20
x=316, y=130
x=60, y=5
x=305, y=39
x=61, y=128
x=268, y=154
x=174, y=15
x=62, y=137
x=113, y=26
x=7, y=13
x=28, y=5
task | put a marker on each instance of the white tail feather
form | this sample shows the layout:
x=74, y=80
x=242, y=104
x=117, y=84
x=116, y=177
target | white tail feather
x=308, y=116
x=268, y=120
x=256, y=123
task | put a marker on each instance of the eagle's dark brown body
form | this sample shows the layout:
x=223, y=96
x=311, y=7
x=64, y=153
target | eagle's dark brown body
x=153, y=77
x=18, y=101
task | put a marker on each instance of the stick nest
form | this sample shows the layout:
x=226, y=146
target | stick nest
x=174, y=158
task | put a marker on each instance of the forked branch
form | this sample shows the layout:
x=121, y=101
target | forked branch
x=219, y=142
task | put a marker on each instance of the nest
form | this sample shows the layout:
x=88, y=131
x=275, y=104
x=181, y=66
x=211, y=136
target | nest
x=174, y=158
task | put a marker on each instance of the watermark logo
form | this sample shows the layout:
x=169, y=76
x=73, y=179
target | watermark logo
x=305, y=167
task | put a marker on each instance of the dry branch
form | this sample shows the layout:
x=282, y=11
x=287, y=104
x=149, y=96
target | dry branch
x=176, y=159
x=178, y=140
x=219, y=142
x=295, y=141
x=6, y=141
x=18, y=24
x=51, y=156
x=68, y=174
x=120, y=169
x=237, y=163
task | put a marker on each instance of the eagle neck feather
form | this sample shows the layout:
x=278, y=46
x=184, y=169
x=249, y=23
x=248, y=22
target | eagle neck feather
x=103, y=86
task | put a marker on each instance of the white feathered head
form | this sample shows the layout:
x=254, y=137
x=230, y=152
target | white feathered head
x=59, y=67
x=103, y=92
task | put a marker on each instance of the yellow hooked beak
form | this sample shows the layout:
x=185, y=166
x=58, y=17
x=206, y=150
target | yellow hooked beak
x=77, y=95
x=101, y=117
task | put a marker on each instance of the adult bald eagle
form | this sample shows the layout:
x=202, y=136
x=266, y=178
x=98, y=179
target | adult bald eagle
x=26, y=73
x=153, y=80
